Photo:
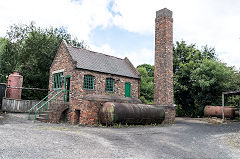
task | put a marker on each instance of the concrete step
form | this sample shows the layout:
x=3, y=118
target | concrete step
x=42, y=119
x=42, y=115
x=47, y=111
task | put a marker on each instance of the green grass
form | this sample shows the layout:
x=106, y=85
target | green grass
x=126, y=125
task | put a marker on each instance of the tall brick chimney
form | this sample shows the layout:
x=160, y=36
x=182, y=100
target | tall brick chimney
x=163, y=73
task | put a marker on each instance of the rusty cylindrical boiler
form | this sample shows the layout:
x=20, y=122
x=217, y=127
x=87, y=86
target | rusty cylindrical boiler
x=14, y=80
x=216, y=111
x=131, y=113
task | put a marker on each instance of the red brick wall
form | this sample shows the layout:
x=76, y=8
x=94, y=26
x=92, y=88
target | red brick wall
x=77, y=82
x=163, y=73
x=170, y=114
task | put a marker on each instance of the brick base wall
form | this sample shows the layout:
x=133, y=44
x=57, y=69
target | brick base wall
x=86, y=112
x=55, y=115
x=170, y=113
x=90, y=106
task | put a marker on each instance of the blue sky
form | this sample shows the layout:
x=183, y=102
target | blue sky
x=123, y=41
x=125, y=28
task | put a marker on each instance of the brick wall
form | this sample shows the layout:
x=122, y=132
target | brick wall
x=163, y=73
x=77, y=82
x=170, y=113
x=90, y=106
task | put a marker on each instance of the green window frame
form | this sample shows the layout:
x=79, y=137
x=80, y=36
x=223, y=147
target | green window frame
x=109, y=85
x=57, y=80
x=88, y=82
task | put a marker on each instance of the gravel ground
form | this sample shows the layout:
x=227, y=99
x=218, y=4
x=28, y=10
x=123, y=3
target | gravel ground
x=188, y=138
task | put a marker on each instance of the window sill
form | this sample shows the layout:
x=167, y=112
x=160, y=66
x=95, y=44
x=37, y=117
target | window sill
x=88, y=89
x=109, y=91
x=57, y=89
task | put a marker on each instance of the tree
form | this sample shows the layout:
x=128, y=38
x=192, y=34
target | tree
x=8, y=58
x=199, y=79
x=30, y=50
x=186, y=59
x=147, y=82
x=210, y=79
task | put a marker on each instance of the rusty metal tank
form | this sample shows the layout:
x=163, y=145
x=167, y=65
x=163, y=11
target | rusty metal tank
x=130, y=113
x=216, y=111
x=14, y=80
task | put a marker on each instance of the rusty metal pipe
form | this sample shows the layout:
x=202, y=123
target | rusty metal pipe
x=130, y=113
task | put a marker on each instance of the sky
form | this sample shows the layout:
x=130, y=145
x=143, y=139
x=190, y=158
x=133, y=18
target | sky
x=125, y=28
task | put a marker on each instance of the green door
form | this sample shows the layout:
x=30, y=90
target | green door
x=127, y=89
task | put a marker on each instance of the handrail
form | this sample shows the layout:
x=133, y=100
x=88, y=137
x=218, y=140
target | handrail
x=40, y=102
x=48, y=101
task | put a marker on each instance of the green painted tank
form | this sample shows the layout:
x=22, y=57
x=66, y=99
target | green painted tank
x=130, y=113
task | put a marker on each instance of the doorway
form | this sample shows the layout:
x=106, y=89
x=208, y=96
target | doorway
x=67, y=88
x=127, y=89
x=77, y=116
x=2, y=93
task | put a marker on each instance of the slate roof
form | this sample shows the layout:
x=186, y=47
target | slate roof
x=99, y=62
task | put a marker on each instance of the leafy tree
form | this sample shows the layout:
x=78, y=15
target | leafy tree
x=186, y=59
x=8, y=58
x=234, y=100
x=147, y=82
x=211, y=78
x=199, y=79
x=31, y=50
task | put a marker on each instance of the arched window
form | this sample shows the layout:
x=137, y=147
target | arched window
x=88, y=82
x=109, y=85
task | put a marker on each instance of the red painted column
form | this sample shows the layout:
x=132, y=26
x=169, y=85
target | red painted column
x=14, y=80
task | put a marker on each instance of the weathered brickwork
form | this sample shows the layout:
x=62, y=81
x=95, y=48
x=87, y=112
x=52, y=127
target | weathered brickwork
x=163, y=73
x=57, y=112
x=88, y=111
x=170, y=114
x=78, y=91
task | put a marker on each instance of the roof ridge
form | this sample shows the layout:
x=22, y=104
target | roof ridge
x=131, y=66
x=94, y=52
x=100, y=62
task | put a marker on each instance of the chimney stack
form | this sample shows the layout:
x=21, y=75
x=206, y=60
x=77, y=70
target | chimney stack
x=163, y=72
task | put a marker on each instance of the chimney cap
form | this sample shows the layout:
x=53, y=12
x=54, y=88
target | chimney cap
x=164, y=13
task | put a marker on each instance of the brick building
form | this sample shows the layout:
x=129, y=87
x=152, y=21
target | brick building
x=84, y=72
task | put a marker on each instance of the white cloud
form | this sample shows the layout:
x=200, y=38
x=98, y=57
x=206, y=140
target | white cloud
x=214, y=22
x=105, y=48
x=79, y=17
x=137, y=57
x=141, y=56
